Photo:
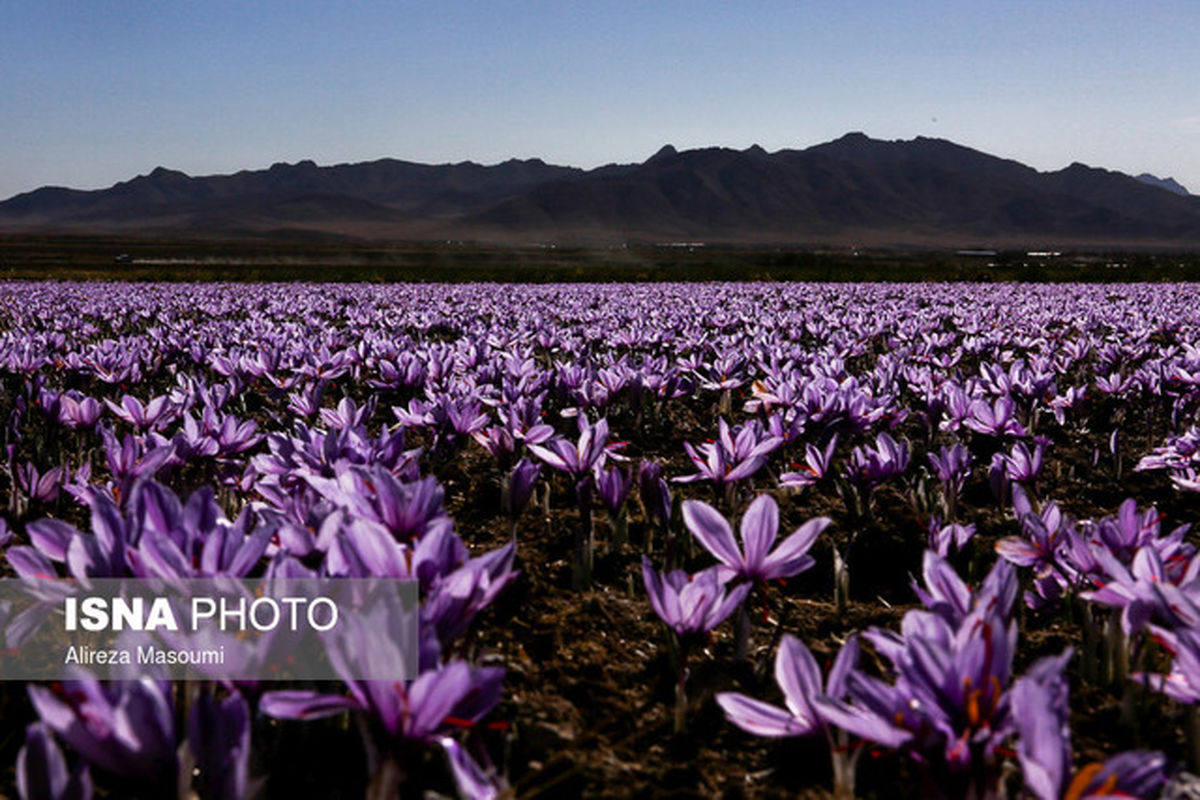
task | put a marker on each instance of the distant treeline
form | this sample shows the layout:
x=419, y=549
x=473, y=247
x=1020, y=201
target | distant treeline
x=84, y=258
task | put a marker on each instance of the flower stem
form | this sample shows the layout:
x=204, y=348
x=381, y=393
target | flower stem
x=681, y=702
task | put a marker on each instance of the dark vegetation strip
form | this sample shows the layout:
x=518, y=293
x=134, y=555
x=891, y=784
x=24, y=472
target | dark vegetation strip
x=122, y=259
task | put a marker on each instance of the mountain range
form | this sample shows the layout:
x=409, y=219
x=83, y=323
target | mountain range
x=854, y=190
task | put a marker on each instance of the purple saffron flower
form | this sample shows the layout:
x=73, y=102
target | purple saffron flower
x=1022, y=466
x=456, y=598
x=42, y=486
x=952, y=465
x=1049, y=534
x=815, y=467
x=423, y=710
x=43, y=772
x=948, y=596
x=130, y=460
x=613, y=486
x=997, y=419
x=730, y=458
x=759, y=528
x=580, y=458
x=77, y=411
x=348, y=414
x=799, y=677
x=192, y=539
x=409, y=509
x=219, y=738
x=1040, y=717
x=125, y=727
x=952, y=665
x=941, y=537
x=151, y=416
x=519, y=486
x=691, y=604
x=654, y=493
x=1182, y=683
x=871, y=466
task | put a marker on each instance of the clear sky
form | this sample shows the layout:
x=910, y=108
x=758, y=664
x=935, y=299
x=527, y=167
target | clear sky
x=96, y=92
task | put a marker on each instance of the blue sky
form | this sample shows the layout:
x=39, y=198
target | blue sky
x=96, y=92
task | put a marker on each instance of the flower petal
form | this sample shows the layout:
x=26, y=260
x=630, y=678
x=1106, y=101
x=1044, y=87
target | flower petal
x=712, y=531
x=759, y=718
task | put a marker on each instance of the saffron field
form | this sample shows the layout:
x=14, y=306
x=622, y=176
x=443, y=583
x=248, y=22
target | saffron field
x=736, y=539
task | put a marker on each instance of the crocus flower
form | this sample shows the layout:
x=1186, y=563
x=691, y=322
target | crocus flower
x=579, y=458
x=433, y=704
x=613, y=485
x=150, y=416
x=755, y=561
x=456, y=598
x=1182, y=683
x=78, y=412
x=409, y=509
x=1047, y=535
x=947, y=595
x=654, y=493
x=871, y=466
x=941, y=537
x=952, y=465
x=815, y=467
x=799, y=678
x=519, y=486
x=348, y=414
x=730, y=458
x=42, y=486
x=43, y=772
x=126, y=727
x=948, y=704
x=1023, y=466
x=691, y=604
x=995, y=419
x=130, y=460
x=1040, y=717
x=219, y=738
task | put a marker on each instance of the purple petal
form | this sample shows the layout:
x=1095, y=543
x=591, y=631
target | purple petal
x=745, y=469
x=42, y=769
x=719, y=613
x=472, y=781
x=30, y=563
x=51, y=536
x=845, y=663
x=797, y=673
x=759, y=718
x=1043, y=750
x=759, y=528
x=790, y=557
x=303, y=704
x=1018, y=551
x=861, y=722
x=712, y=531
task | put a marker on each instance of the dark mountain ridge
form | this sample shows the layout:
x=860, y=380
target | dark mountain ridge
x=853, y=190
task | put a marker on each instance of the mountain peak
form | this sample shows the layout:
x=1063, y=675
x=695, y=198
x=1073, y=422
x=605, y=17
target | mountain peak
x=161, y=173
x=282, y=166
x=664, y=152
x=1170, y=184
